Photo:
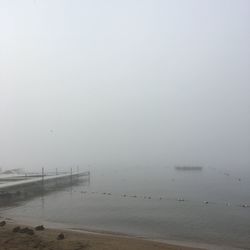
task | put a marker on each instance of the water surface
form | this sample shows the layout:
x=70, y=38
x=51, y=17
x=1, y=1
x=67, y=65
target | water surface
x=160, y=204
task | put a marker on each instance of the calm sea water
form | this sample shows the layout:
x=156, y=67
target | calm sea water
x=146, y=202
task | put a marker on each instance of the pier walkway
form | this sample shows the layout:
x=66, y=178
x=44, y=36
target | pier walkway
x=41, y=180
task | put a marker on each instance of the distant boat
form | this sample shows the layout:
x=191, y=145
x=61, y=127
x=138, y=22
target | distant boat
x=184, y=168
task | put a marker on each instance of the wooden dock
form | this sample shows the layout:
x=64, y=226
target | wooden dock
x=40, y=183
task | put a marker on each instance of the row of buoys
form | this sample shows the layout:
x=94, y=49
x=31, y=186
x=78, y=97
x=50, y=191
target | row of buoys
x=227, y=174
x=244, y=205
x=236, y=178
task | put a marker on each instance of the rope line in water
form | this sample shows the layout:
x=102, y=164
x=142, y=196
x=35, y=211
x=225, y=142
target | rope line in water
x=149, y=197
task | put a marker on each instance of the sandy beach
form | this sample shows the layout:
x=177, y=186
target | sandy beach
x=48, y=239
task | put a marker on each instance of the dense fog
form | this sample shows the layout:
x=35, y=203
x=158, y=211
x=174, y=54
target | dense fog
x=124, y=84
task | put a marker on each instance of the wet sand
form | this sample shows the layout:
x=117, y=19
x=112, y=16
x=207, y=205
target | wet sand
x=47, y=240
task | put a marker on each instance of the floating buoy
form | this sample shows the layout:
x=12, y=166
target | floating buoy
x=244, y=205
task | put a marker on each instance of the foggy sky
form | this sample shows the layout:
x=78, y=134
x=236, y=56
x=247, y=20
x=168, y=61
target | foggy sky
x=124, y=83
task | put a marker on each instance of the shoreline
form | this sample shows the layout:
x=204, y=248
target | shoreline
x=75, y=240
x=115, y=240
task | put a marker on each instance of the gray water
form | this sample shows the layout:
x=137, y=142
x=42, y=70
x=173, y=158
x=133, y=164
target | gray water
x=146, y=202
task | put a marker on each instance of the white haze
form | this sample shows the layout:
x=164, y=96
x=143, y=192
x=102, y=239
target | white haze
x=124, y=83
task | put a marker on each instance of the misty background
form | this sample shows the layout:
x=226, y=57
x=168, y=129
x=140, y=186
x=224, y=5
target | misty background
x=124, y=83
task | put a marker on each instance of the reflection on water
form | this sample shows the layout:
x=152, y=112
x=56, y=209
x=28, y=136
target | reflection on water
x=203, y=206
x=24, y=194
